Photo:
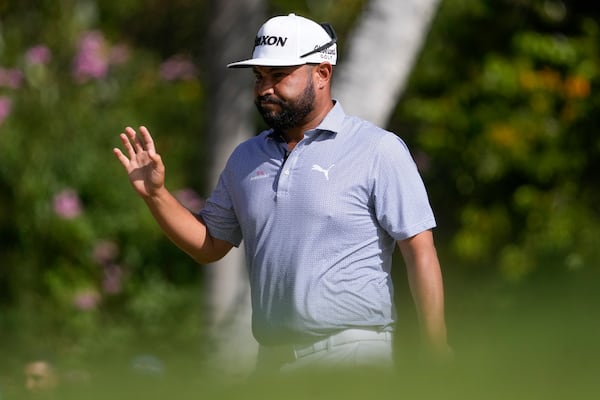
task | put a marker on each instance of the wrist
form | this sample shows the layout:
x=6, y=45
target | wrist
x=157, y=196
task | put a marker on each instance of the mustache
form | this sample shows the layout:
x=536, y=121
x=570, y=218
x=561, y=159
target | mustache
x=268, y=99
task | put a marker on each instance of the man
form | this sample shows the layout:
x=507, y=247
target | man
x=320, y=200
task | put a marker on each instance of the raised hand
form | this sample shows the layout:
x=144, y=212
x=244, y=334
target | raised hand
x=143, y=165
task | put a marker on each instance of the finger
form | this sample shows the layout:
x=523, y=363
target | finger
x=121, y=157
x=134, y=139
x=148, y=141
x=127, y=143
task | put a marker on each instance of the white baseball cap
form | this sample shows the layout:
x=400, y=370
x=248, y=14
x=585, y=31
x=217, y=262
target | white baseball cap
x=290, y=40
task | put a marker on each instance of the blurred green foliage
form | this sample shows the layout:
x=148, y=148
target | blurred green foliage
x=501, y=108
x=80, y=256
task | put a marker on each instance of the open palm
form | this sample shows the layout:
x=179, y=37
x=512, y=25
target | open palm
x=143, y=165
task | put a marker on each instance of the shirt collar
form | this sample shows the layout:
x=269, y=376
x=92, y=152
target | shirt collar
x=333, y=120
x=332, y=123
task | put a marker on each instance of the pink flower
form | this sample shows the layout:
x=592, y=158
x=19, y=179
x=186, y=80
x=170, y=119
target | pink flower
x=113, y=279
x=91, y=61
x=11, y=78
x=190, y=199
x=66, y=204
x=5, y=108
x=105, y=252
x=178, y=67
x=86, y=300
x=38, y=55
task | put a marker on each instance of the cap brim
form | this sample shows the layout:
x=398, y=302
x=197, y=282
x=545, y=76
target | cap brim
x=265, y=62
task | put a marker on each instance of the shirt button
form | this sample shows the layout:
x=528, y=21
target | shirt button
x=286, y=172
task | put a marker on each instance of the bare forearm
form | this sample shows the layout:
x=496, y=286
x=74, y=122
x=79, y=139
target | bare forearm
x=181, y=226
x=425, y=280
x=146, y=172
x=426, y=285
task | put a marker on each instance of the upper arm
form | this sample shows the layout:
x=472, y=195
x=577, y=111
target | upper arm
x=218, y=249
x=211, y=248
x=400, y=200
x=417, y=247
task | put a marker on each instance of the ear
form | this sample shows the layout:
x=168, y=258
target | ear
x=323, y=73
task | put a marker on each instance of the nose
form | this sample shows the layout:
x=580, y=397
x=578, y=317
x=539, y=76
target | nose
x=263, y=86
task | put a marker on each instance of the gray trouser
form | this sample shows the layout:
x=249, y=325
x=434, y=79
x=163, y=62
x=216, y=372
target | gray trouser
x=350, y=348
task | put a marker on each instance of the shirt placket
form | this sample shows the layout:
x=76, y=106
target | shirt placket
x=288, y=169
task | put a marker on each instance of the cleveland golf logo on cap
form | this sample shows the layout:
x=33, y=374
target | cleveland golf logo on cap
x=270, y=41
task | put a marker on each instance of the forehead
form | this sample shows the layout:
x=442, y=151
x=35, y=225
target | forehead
x=269, y=70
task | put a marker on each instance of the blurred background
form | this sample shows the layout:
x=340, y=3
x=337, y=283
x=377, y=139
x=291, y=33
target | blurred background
x=500, y=111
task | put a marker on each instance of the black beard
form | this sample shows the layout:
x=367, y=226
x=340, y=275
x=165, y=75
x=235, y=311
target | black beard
x=292, y=114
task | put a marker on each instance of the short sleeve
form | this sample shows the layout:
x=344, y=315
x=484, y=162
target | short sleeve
x=399, y=196
x=219, y=215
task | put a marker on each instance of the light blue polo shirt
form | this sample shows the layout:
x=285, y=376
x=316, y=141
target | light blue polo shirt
x=319, y=225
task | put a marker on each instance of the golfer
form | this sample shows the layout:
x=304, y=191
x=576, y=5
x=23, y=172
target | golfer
x=319, y=201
